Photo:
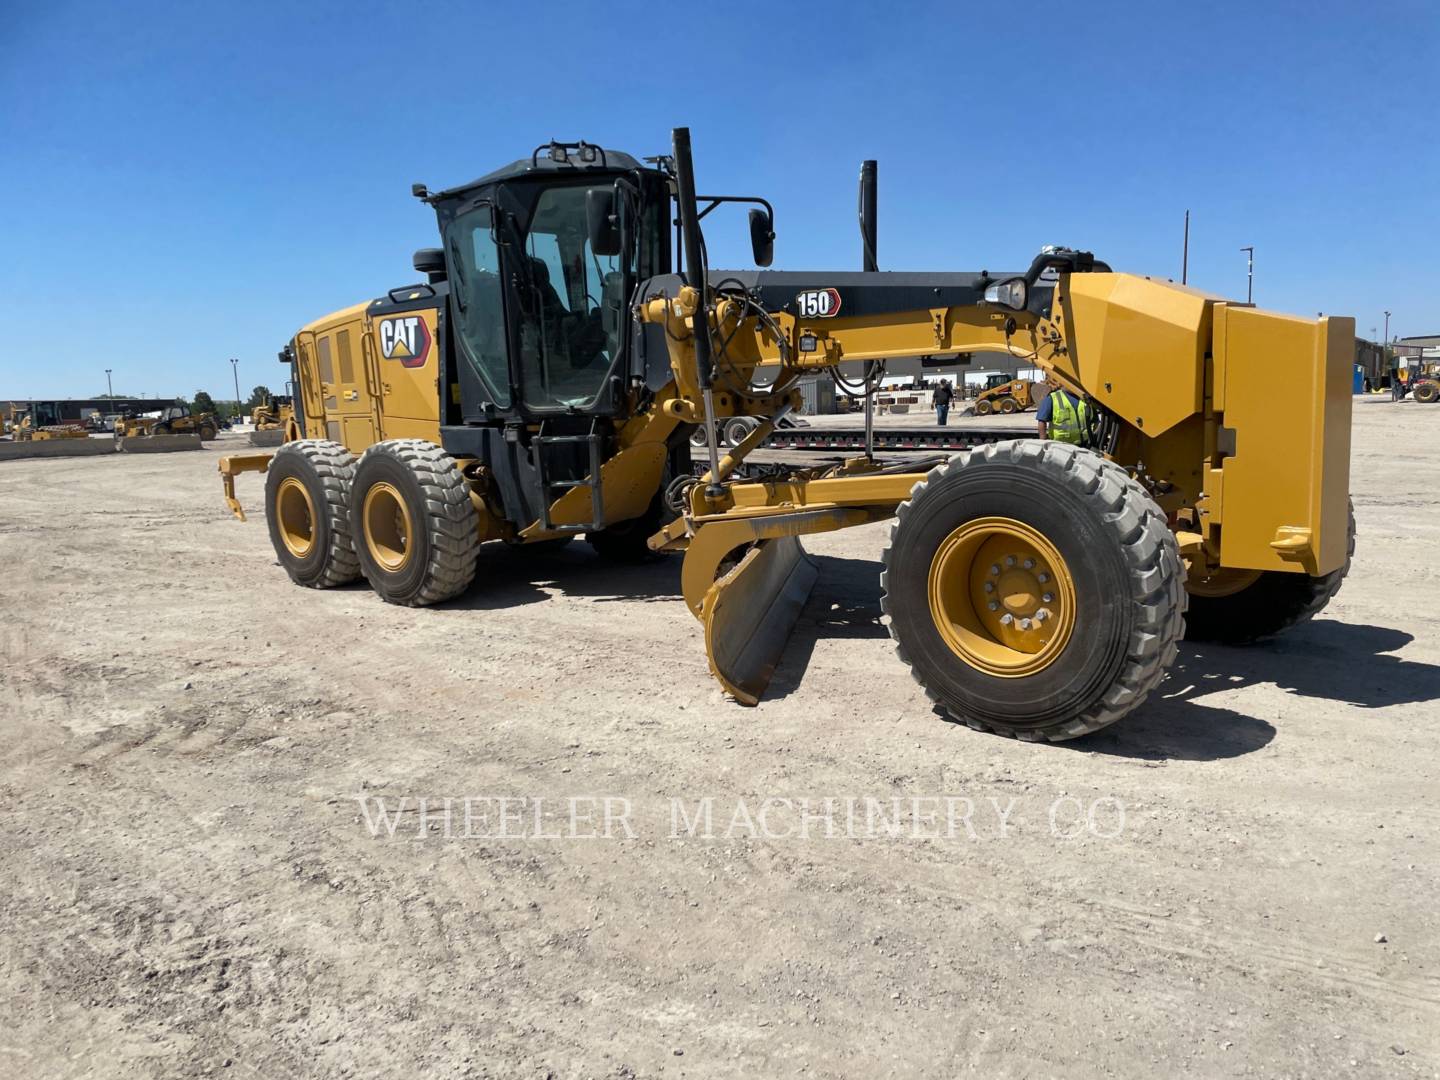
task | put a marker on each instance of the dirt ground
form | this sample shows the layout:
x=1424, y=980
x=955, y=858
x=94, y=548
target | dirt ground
x=1239, y=880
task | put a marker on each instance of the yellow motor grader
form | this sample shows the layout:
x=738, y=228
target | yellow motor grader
x=545, y=379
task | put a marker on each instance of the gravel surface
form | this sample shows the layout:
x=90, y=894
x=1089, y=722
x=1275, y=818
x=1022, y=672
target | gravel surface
x=198, y=878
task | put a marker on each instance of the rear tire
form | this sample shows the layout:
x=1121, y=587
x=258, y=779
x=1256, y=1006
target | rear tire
x=417, y=532
x=1273, y=603
x=1426, y=393
x=1104, y=561
x=207, y=433
x=626, y=541
x=1009, y=405
x=307, y=509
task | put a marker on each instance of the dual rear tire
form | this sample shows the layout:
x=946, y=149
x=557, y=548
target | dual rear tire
x=400, y=516
x=307, y=508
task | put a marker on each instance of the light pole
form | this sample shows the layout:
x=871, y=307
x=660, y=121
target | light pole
x=1249, y=274
x=109, y=389
x=1385, y=345
x=1185, y=253
x=235, y=371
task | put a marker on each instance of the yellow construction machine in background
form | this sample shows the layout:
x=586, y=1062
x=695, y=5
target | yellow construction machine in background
x=275, y=414
x=546, y=377
x=171, y=420
x=1008, y=396
x=32, y=424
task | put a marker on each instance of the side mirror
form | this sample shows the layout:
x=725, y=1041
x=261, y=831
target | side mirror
x=762, y=237
x=431, y=262
x=601, y=222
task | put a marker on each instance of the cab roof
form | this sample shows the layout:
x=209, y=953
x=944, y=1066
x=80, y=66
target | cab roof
x=608, y=161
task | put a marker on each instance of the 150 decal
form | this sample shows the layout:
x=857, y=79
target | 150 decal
x=818, y=304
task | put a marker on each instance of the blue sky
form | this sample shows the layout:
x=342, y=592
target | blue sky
x=185, y=183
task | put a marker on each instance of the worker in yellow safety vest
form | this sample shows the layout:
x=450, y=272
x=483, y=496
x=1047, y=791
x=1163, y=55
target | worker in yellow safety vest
x=1063, y=416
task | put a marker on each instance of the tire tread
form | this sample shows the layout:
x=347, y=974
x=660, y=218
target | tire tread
x=1157, y=576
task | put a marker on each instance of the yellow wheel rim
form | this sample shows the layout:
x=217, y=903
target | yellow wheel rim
x=295, y=514
x=1221, y=583
x=388, y=527
x=1002, y=597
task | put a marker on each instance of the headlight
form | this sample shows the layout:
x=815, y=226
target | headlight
x=1010, y=293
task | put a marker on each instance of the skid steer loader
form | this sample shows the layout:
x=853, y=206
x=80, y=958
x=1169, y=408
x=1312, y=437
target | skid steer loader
x=1008, y=396
x=545, y=379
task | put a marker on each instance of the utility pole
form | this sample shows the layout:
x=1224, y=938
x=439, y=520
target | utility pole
x=235, y=371
x=1249, y=274
x=109, y=389
x=1185, y=253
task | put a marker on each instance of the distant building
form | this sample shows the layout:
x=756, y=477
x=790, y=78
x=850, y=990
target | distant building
x=1424, y=346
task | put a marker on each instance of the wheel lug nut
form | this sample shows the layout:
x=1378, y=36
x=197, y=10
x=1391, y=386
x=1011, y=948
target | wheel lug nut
x=989, y=586
x=1042, y=615
x=1029, y=564
x=1009, y=560
x=1042, y=577
x=1024, y=624
x=994, y=605
x=994, y=568
x=1006, y=619
x=1048, y=598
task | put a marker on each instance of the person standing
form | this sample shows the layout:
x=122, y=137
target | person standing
x=942, y=397
x=1063, y=416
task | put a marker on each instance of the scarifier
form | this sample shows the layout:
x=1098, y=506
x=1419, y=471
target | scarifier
x=545, y=380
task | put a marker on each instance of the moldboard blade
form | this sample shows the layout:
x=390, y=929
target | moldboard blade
x=750, y=611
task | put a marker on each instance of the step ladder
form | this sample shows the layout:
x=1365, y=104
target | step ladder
x=548, y=487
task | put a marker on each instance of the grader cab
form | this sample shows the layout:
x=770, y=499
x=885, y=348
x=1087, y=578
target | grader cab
x=546, y=378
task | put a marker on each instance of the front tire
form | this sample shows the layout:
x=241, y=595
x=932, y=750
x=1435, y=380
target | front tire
x=1426, y=393
x=983, y=407
x=417, y=532
x=307, y=509
x=992, y=537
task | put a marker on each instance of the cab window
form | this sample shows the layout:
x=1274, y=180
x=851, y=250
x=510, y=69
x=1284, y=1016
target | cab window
x=475, y=287
x=570, y=301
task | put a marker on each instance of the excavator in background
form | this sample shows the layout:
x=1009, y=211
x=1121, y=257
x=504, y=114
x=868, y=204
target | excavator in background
x=544, y=380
